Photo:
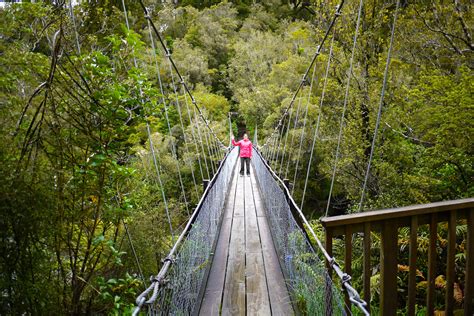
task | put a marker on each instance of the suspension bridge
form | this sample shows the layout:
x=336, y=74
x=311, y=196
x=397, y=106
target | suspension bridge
x=247, y=247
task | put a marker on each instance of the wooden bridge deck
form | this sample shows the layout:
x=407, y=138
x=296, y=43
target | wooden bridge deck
x=245, y=276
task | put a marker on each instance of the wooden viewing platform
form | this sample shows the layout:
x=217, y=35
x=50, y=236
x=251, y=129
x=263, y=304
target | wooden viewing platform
x=245, y=277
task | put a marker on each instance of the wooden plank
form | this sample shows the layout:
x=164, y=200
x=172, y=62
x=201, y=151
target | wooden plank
x=367, y=268
x=412, y=263
x=388, y=261
x=258, y=302
x=279, y=298
x=469, y=283
x=449, y=299
x=393, y=213
x=232, y=192
x=234, y=287
x=252, y=236
x=432, y=255
x=239, y=206
x=234, y=293
x=259, y=206
x=348, y=263
x=215, y=285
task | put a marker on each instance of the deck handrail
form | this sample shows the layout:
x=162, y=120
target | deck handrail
x=392, y=213
x=387, y=222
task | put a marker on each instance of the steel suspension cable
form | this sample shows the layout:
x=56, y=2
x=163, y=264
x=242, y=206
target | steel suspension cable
x=346, y=95
x=209, y=151
x=318, y=121
x=193, y=134
x=160, y=183
x=315, y=56
x=379, y=113
x=287, y=130
x=186, y=148
x=201, y=142
x=173, y=64
x=293, y=135
x=165, y=107
x=140, y=271
x=73, y=18
x=152, y=147
x=298, y=156
x=280, y=142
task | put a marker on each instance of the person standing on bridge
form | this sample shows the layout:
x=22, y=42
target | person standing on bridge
x=245, y=153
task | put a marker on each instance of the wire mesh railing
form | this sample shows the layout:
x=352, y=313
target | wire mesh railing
x=177, y=288
x=311, y=287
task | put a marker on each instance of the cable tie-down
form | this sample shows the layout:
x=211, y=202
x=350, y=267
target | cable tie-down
x=345, y=278
x=171, y=259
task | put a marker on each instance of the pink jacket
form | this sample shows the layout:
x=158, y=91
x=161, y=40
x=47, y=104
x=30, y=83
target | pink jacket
x=245, y=147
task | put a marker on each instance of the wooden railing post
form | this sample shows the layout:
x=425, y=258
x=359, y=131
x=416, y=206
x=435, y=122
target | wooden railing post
x=388, y=260
x=432, y=255
x=412, y=263
x=469, y=279
x=367, y=270
x=450, y=264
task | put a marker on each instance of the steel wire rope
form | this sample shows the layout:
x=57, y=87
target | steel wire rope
x=318, y=121
x=346, y=95
x=152, y=147
x=73, y=18
x=165, y=108
x=201, y=142
x=315, y=56
x=286, y=140
x=186, y=148
x=181, y=79
x=298, y=156
x=293, y=135
x=280, y=142
x=209, y=150
x=255, y=137
x=193, y=134
x=379, y=113
x=272, y=148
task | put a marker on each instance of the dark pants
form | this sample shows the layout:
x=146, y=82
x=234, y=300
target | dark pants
x=247, y=163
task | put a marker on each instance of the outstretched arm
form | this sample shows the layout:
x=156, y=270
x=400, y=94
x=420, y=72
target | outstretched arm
x=234, y=142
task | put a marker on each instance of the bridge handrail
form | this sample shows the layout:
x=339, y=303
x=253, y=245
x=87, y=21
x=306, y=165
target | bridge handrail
x=301, y=220
x=396, y=213
x=387, y=223
x=159, y=279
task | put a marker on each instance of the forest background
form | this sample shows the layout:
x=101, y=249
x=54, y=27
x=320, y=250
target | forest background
x=77, y=180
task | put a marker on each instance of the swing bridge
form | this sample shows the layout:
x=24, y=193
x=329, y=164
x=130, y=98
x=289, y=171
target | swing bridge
x=247, y=247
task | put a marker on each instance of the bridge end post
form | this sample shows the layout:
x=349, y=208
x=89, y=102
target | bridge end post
x=388, y=258
x=205, y=184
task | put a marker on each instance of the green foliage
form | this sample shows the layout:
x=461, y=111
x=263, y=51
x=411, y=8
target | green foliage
x=75, y=157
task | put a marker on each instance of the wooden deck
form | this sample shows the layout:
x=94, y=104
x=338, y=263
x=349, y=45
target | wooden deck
x=245, y=276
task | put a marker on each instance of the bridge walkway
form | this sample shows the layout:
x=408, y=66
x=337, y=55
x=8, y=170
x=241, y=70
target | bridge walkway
x=245, y=277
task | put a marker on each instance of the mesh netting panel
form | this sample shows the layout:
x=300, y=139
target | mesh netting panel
x=185, y=278
x=311, y=288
